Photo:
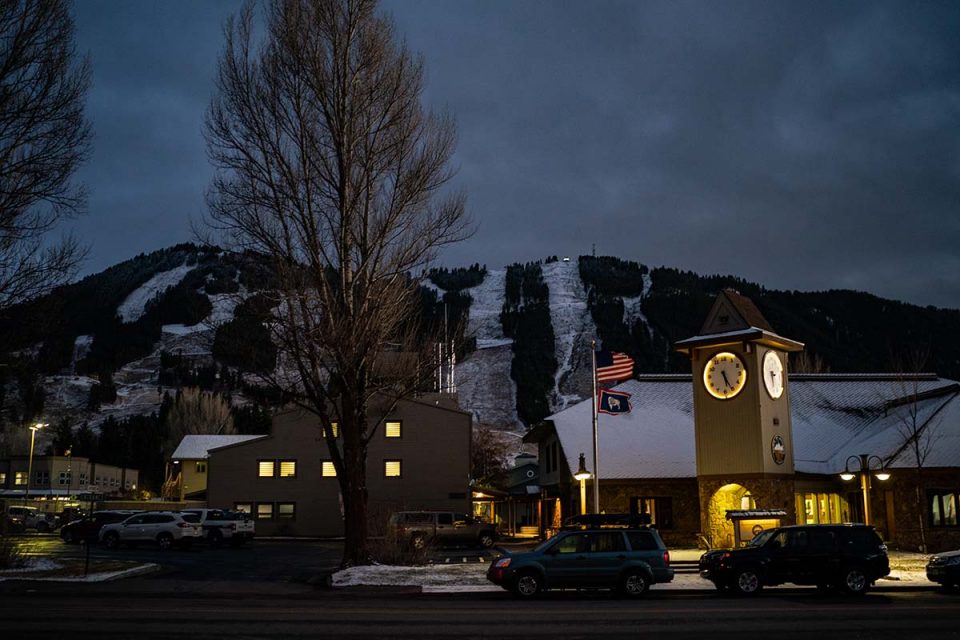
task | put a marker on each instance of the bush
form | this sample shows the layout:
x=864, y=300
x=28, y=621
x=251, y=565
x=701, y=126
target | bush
x=390, y=550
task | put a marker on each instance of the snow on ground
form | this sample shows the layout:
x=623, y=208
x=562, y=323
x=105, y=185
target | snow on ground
x=131, y=309
x=81, y=347
x=33, y=565
x=483, y=377
x=632, y=309
x=573, y=330
x=223, y=304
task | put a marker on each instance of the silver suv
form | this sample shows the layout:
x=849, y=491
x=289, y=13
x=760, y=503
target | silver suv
x=22, y=518
x=165, y=528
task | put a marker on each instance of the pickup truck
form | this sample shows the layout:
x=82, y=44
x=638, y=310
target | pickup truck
x=220, y=525
x=418, y=528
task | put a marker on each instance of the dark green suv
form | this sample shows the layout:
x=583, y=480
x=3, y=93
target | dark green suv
x=629, y=559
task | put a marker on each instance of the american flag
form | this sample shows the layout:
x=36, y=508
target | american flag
x=613, y=366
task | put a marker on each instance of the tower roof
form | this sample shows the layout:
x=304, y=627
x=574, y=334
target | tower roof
x=735, y=318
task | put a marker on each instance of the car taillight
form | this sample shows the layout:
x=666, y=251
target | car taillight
x=184, y=525
x=666, y=558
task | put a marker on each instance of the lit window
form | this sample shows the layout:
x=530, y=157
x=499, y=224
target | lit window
x=3, y=478
x=264, y=510
x=243, y=507
x=286, y=510
x=392, y=429
x=335, y=429
x=266, y=469
x=288, y=468
x=327, y=470
x=391, y=468
x=20, y=477
x=943, y=509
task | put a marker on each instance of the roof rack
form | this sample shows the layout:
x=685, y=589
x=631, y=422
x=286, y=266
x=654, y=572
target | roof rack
x=609, y=521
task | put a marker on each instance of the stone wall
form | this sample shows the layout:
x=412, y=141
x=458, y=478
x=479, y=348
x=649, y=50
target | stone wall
x=904, y=531
x=615, y=498
x=767, y=493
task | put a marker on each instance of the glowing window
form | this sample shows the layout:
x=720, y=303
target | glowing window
x=327, y=470
x=391, y=468
x=243, y=507
x=3, y=478
x=286, y=510
x=264, y=511
x=288, y=468
x=20, y=477
x=335, y=429
x=392, y=429
x=266, y=469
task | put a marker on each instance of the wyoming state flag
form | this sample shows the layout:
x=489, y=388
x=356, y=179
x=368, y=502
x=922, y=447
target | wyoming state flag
x=613, y=402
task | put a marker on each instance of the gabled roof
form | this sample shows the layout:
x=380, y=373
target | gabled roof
x=199, y=447
x=833, y=416
x=735, y=318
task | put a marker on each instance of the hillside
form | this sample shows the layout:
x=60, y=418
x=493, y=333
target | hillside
x=114, y=343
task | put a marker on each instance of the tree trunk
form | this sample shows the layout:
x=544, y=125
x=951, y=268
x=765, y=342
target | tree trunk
x=920, y=512
x=355, y=550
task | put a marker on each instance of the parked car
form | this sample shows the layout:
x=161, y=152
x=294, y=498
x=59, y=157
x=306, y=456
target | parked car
x=165, y=528
x=22, y=518
x=418, y=528
x=944, y=568
x=87, y=529
x=629, y=559
x=220, y=525
x=847, y=556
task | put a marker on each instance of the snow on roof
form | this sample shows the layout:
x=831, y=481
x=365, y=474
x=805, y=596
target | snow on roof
x=833, y=417
x=199, y=447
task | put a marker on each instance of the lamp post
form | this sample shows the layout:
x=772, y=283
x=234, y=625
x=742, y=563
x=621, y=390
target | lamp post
x=864, y=461
x=33, y=434
x=583, y=475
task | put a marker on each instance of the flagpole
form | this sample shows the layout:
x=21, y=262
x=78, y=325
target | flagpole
x=596, y=448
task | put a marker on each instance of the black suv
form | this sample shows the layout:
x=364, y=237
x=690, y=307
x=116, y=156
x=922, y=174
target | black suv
x=848, y=556
x=628, y=558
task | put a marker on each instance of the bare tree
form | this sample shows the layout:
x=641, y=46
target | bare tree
x=329, y=166
x=196, y=412
x=43, y=139
x=918, y=430
x=808, y=362
x=490, y=454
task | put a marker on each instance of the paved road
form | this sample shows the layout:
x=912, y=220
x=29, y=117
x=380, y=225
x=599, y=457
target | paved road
x=334, y=614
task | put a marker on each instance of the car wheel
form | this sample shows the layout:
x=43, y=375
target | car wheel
x=165, y=540
x=635, y=584
x=418, y=541
x=854, y=581
x=111, y=540
x=67, y=537
x=527, y=585
x=747, y=582
x=486, y=540
x=215, y=538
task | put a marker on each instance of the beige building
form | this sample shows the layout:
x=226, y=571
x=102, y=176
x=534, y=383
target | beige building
x=187, y=472
x=418, y=458
x=65, y=476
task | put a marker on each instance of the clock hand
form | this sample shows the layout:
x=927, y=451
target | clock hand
x=724, y=374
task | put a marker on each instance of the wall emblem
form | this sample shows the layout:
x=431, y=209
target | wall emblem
x=778, y=450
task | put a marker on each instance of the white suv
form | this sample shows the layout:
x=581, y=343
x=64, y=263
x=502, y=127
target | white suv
x=166, y=528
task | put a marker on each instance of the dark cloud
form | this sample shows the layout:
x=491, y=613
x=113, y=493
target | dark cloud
x=802, y=145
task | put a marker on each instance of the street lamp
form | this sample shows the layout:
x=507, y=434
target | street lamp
x=583, y=475
x=864, y=460
x=33, y=434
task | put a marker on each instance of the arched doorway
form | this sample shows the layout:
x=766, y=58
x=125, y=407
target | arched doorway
x=726, y=498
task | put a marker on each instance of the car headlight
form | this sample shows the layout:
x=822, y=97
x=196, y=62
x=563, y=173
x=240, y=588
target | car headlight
x=502, y=563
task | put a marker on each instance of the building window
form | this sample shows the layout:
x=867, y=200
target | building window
x=20, y=477
x=64, y=478
x=943, y=507
x=391, y=468
x=42, y=477
x=201, y=467
x=83, y=478
x=286, y=510
x=264, y=511
x=660, y=510
x=288, y=468
x=327, y=470
x=392, y=429
x=243, y=507
x=3, y=477
x=335, y=429
x=265, y=469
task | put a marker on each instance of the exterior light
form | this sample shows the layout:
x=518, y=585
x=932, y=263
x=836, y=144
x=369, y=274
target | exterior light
x=864, y=463
x=582, y=473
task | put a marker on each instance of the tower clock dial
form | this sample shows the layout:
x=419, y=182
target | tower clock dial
x=724, y=375
x=773, y=374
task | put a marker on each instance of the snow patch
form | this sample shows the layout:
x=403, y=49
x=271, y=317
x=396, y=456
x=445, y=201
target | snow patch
x=633, y=310
x=131, y=309
x=33, y=565
x=573, y=328
x=493, y=344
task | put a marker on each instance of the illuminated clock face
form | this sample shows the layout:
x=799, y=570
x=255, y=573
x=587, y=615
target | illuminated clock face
x=724, y=375
x=773, y=374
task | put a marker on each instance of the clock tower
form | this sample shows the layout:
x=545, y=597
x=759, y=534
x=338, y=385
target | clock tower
x=741, y=405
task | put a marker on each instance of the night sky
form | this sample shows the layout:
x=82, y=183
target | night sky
x=800, y=145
